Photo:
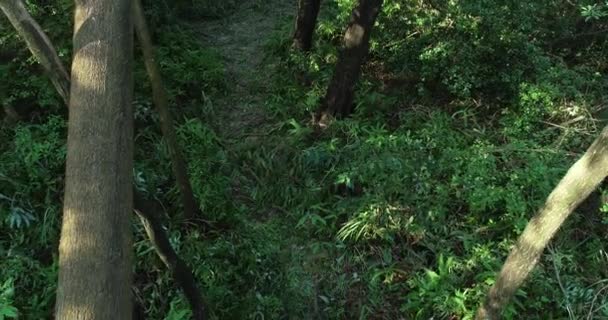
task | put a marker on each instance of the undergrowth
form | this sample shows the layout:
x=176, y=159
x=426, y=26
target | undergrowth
x=464, y=124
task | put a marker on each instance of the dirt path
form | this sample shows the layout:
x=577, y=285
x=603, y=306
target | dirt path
x=240, y=38
x=242, y=123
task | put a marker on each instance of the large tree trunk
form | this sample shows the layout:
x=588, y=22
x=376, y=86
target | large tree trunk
x=95, y=257
x=306, y=21
x=42, y=48
x=338, y=100
x=162, y=107
x=580, y=180
x=153, y=223
x=39, y=44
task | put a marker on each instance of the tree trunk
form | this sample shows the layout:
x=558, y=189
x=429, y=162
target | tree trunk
x=42, y=48
x=306, y=21
x=580, y=180
x=95, y=257
x=39, y=44
x=152, y=223
x=182, y=274
x=162, y=107
x=338, y=100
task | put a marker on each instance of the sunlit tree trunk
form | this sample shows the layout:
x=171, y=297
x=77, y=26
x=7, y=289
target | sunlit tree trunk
x=152, y=223
x=580, y=180
x=162, y=107
x=338, y=100
x=306, y=21
x=95, y=257
x=39, y=44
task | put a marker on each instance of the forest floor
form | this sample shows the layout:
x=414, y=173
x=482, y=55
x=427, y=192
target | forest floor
x=240, y=38
x=405, y=210
x=285, y=240
x=244, y=126
x=240, y=117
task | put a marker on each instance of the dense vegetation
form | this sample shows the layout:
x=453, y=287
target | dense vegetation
x=467, y=115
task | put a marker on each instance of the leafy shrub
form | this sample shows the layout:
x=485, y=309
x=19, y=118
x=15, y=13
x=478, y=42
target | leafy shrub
x=31, y=174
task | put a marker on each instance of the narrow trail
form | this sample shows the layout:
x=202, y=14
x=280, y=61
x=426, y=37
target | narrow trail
x=240, y=38
x=242, y=122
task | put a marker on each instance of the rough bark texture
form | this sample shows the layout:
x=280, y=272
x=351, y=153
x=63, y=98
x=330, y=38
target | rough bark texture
x=162, y=107
x=95, y=257
x=580, y=180
x=308, y=10
x=338, y=100
x=39, y=44
x=181, y=272
x=142, y=208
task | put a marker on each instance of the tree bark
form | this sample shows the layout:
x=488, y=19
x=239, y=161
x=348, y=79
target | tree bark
x=580, y=180
x=42, y=48
x=151, y=222
x=182, y=274
x=39, y=44
x=95, y=257
x=159, y=95
x=338, y=100
x=306, y=21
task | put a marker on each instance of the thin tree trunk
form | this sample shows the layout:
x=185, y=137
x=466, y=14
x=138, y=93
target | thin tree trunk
x=338, y=100
x=95, y=250
x=580, y=180
x=153, y=223
x=39, y=44
x=306, y=21
x=162, y=107
x=181, y=272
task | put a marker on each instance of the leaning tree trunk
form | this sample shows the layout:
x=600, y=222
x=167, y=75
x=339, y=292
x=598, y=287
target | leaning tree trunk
x=306, y=21
x=162, y=107
x=580, y=180
x=95, y=257
x=39, y=44
x=182, y=274
x=338, y=100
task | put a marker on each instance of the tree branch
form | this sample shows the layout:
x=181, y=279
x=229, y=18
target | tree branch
x=182, y=274
x=39, y=44
x=159, y=96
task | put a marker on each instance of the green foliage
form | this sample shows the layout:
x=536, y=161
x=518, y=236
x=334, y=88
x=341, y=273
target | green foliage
x=31, y=174
x=594, y=11
x=468, y=113
x=24, y=85
x=209, y=172
x=206, y=9
x=7, y=311
x=454, y=145
x=192, y=70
